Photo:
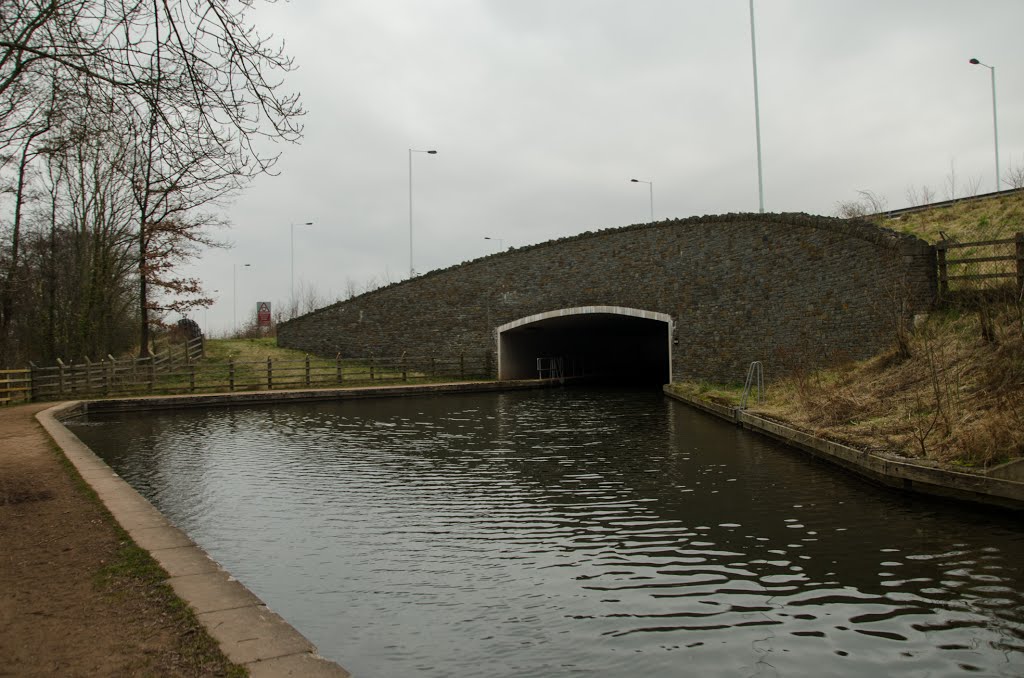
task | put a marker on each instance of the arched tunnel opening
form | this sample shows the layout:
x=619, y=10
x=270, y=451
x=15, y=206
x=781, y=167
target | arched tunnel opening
x=616, y=346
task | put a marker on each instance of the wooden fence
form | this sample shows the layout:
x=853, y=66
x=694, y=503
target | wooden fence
x=109, y=378
x=980, y=262
x=15, y=386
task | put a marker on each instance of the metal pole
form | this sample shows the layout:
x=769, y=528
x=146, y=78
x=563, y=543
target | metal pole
x=995, y=122
x=412, y=271
x=410, y=215
x=650, y=188
x=234, y=296
x=757, y=114
x=291, y=299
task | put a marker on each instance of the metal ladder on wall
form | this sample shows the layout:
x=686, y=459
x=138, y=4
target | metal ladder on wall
x=551, y=368
x=755, y=379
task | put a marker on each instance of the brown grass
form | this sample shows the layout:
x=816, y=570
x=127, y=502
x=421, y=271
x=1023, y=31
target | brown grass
x=957, y=401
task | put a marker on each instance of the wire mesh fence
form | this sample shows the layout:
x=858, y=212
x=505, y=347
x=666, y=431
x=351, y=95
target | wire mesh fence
x=993, y=267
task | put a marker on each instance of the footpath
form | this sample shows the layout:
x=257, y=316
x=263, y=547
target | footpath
x=94, y=582
x=76, y=596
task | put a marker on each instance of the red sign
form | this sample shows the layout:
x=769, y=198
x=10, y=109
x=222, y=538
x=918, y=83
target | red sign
x=263, y=312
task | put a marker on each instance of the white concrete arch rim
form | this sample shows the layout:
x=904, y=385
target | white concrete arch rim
x=604, y=310
x=582, y=310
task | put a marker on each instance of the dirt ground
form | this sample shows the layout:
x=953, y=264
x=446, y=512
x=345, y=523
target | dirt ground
x=76, y=597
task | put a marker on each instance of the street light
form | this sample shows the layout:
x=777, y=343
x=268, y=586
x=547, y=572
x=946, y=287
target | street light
x=292, y=296
x=411, y=151
x=501, y=243
x=995, y=123
x=234, y=295
x=206, y=317
x=757, y=114
x=650, y=186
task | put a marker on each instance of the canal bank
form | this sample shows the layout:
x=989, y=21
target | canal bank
x=575, y=531
x=249, y=633
x=1001, y=486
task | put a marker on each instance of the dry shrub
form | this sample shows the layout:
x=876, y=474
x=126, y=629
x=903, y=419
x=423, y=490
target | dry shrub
x=986, y=441
x=957, y=400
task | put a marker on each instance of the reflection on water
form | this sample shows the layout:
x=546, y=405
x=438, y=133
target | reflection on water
x=573, y=532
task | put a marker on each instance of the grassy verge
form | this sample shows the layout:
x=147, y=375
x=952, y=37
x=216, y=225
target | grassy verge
x=135, y=579
x=991, y=219
x=134, y=576
x=956, y=401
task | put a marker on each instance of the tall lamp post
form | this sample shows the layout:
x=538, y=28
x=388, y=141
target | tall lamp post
x=292, y=293
x=650, y=186
x=757, y=114
x=206, y=317
x=234, y=296
x=995, y=122
x=411, y=151
x=501, y=243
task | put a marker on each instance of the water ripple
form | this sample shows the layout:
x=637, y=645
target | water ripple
x=565, y=533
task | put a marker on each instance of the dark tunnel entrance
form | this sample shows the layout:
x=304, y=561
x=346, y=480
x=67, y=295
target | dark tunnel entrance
x=600, y=343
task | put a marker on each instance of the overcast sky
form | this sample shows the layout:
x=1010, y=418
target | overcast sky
x=541, y=111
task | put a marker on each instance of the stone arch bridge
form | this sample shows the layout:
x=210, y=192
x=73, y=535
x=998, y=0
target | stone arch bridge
x=693, y=299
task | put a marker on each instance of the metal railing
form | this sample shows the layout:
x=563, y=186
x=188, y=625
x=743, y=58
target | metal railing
x=755, y=380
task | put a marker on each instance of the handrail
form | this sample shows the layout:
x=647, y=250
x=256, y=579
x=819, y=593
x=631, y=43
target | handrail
x=755, y=379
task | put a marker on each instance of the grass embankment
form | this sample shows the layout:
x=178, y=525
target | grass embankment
x=956, y=400
x=247, y=363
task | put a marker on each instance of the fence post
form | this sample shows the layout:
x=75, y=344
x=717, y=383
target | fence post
x=307, y=370
x=1020, y=265
x=60, y=377
x=371, y=367
x=462, y=366
x=31, y=381
x=108, y=373
x=337, y=361
x=270, y=373
x=940, y=251
x=231, y=374
x=405, y=372
x=191, y=376
x=88, y=376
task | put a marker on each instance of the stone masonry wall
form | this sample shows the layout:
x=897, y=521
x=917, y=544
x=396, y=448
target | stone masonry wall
x=792, y=290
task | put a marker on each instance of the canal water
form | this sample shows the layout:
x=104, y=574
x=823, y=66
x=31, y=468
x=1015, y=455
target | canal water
x=575, y=533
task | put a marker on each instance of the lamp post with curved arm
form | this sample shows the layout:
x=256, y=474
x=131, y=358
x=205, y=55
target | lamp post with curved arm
x=412, y=271
x=995, y=122
x=650, y=187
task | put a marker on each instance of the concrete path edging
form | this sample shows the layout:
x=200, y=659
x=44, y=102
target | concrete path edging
x=249, y=633
x=983, y=489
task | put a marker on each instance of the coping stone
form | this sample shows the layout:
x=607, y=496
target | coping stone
x=254, y=633
x=247, y=631
x=298, y=665
x=185, y=560
x=983, y=489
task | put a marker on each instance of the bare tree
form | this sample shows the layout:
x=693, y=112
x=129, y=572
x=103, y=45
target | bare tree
x=973, y=186
x=868, y=203
x=951, y=187
x=194, y=89
x=1014, y=176
x=925, y=196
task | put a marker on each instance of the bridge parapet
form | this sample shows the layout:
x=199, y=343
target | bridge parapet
x=791, y=290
